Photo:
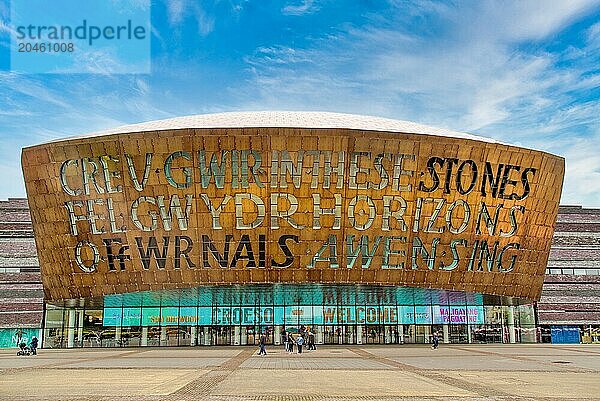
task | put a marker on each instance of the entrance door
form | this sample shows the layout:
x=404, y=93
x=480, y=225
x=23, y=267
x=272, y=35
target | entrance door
x=185, y=335
x=349, y=334
x=422, y=334
x=222, y=335
x=333, y=335
x=373, y=334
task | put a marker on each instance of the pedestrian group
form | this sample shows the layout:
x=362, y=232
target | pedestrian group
x=304, y=337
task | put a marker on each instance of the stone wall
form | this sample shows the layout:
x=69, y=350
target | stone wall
x=571, y=291
x=21, y=293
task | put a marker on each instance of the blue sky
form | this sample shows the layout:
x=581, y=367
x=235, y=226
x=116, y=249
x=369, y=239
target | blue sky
x=523, y=72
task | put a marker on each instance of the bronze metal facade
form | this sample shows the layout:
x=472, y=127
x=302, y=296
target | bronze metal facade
x=178, y=208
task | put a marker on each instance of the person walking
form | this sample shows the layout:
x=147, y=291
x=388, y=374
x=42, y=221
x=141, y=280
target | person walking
x=435, y=341
x=263, y=345
x=291, y=343
x=285, y=339
x=311, y=341
x=300, y=342
x=34, y=345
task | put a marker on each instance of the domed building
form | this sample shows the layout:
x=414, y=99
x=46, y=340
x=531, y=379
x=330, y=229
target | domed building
x=212, y=229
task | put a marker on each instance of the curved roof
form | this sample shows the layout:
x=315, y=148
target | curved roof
x=286, y=119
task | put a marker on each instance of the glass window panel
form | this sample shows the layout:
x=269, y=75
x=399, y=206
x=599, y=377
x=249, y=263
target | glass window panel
x=423, y=314
x=205, y=316
x=150, y=316
x=92, y=318
x=150, y=298
x=54, y=317
x=278, y=313
x=131, y=336
x=293, y=313
x=406, y=314
x=278, y=295
x=132, y=299
x=475, y=314
x=222, y=315
x=439, y=297
x=188, y=297
x=441, y=314
x=317, y=312
x=404, y=296
x=478, y=333
x=493, y=315
x=132, y=316
x=112, y=316
x=457, y=298
x=422, y=296
x=205, y=297
x=169, y=298
x=170, y=315
x=458, y=315
x=528, y=333
x=265, y=315
x=472, y=298
x=361, y=297
x=388, y=314
x=526, y=315
x=113, y=300
x=188, y=316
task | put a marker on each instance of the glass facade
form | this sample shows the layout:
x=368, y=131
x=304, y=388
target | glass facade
x=337, y=314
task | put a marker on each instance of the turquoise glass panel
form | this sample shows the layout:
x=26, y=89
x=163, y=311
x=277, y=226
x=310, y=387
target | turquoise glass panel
x=113, y=301
x=404, y=296
x=151, y=298
x=292, y=315
x=266, y=315
x=132, y=316
x=169, y=315
x=317, y=312
x=112, y=316
x=150, y=316
x=204, y=315
x=406, y=314
x=188, y=316
x=245, y=315
x=278, y=313
x=222, y=315
x=422, y=314
x=133, y=299
x=329, y=313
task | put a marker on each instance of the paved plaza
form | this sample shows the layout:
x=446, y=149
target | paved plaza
x=415, y=372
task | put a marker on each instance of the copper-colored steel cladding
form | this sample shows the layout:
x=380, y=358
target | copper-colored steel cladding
x=105, y=158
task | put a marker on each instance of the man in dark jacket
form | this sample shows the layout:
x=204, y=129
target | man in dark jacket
x=34, y=345
x=263, y=344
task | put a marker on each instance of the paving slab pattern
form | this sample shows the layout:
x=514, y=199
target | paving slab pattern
x=348, y=373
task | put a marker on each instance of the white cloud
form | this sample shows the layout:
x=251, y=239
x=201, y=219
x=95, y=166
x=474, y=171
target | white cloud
x=178, y=10
x=305, y=7
x=175, y=9
x=466, y=71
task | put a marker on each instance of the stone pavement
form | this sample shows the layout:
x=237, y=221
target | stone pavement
x=411, y=372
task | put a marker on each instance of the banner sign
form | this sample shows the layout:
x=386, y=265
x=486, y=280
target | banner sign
x=293, y=315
